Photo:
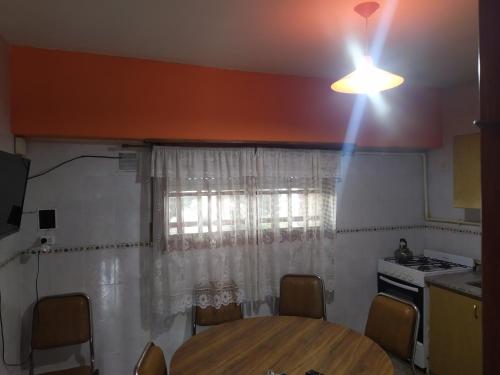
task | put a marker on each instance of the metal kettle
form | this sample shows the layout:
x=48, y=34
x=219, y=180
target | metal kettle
x=403, y=254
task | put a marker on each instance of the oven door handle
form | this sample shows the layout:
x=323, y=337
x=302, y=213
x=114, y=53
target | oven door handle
x=411, y=289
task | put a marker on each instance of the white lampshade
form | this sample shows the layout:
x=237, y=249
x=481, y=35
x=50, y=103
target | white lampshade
x=366, y=79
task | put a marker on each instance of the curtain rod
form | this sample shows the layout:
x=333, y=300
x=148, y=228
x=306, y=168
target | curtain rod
x=347, y=148
x=200, y=143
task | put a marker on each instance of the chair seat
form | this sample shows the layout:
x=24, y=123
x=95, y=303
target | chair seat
x=82, y=370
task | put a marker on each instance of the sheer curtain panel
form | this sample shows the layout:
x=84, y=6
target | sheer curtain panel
x=229, y=222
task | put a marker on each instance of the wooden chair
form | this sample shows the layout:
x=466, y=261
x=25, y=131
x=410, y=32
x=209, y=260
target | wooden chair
x=302, y=295
x=151, y=361
x=211, y=316
x=393, y=324
x=63, y=320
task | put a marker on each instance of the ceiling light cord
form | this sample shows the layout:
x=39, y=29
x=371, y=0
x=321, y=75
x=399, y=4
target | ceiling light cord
x=366, y=35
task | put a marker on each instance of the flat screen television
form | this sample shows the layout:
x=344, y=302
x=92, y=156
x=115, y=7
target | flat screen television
x=14, y=171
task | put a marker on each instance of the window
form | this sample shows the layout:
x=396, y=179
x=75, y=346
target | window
x=207, y=211
x=288, y=208
x=212, y=211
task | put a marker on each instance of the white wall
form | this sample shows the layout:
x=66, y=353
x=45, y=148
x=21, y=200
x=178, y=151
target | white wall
x=379, y=201
x=460, y=109
x=377, y=191
x=96, y=204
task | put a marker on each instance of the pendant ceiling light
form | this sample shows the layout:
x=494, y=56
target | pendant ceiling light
x=367, y=78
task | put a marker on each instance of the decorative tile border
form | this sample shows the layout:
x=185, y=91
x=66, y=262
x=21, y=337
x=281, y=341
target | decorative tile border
x=379, y=228
x=386, y=228
x=57, y=250
x=453, y=228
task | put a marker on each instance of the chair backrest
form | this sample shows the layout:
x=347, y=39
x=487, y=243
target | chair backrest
x=211, y=316
x=393, y=324
x=302, y=295
x=151, y=362
x=61, y=320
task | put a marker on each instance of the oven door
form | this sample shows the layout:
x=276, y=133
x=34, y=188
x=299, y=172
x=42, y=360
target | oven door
x=401, y=289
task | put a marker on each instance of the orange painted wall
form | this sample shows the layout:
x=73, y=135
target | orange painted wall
x=79, y=95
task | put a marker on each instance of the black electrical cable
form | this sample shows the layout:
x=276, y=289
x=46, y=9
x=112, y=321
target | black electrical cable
x=70, y=160
x=7, y=364
x=37, y=273
x=36, y=288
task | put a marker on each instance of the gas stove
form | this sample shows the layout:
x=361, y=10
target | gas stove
x=407, y=281
x=427, y=264
x=431, y=263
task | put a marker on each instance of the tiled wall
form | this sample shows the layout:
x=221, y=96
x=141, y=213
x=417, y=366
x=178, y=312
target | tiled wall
x=379, y=201
x=460, y=109
x=96, y=204
x=12, y=301
x=113, y=279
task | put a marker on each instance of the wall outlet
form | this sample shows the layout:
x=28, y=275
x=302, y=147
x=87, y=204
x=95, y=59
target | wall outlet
x=47, y=239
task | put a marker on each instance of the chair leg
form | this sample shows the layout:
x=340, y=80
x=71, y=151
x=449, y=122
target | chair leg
x=193, y=321
x=413, y=368
x=31, y=363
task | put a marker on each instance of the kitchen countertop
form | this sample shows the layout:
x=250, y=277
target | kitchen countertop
x=457, y=282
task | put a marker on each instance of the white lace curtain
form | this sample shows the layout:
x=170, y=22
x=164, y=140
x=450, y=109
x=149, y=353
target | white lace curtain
x=228, y=223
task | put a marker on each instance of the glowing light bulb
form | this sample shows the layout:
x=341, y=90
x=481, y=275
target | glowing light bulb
x=367, y=79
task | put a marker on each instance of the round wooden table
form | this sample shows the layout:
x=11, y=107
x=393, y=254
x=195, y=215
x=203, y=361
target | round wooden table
x=284, y=344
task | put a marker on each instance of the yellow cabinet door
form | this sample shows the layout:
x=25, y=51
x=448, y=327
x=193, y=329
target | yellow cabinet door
x=455, y=337
x=466, y=171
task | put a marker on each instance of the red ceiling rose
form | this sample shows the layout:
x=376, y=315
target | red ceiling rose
x=366, y=9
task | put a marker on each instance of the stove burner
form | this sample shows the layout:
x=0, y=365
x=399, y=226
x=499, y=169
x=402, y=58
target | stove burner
x=424, y=268
x=414, y=261
x=445, y=265
x=426, y=264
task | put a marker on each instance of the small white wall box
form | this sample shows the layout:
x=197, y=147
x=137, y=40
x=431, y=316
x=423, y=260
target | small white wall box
x=127, y=161
x=47, y=219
